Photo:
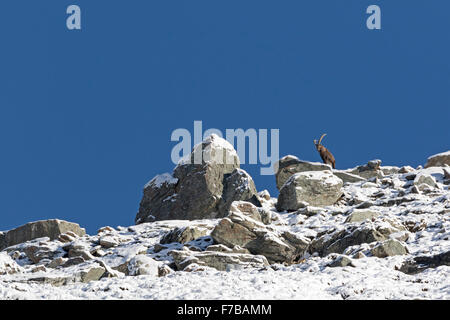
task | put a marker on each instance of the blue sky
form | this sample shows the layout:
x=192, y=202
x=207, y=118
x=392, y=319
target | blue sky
x=86, y=116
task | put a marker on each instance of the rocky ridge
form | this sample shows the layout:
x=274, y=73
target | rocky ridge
x=209, y=217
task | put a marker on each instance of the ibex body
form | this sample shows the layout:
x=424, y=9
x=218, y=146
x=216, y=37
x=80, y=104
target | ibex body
x=326, y=155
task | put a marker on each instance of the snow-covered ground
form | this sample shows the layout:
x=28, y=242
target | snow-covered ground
x=426, y=213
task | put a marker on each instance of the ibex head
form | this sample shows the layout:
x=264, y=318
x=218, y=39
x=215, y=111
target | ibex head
x=320, y=140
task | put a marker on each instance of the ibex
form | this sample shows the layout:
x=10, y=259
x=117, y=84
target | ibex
x=326, y=155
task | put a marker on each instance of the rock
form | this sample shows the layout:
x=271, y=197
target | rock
x=389, y=170
x=341, y=261
x=359, y=255
x=237, y=186
x=289, y=165
x=72, y=262
x=65, y=238
x=86, y=274
x=194, y=190
x=143, y=265
x=406, y=169
x=106, y=229
x=347, y=177
x=424, y=178
x=439, y=160
x=164, y=270
x=57, y=262
x=318, y=188
x=40, y=268
x=36, y=252
x=8, y=265
x=241, y=229
x=338, y=241
x=218, y=260
x=223, y=248
x=370, y=170
x=420, y=263
x=109, y=241
x=389, y=248
x=184, y=234
x=359, y=215
x=39, y=229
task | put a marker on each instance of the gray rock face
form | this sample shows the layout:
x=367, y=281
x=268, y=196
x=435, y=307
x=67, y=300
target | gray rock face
x=238, y=186
x=347, y=177
x=426, y=179
x=317, y=188
x=389, y=248
x=289, y=165
x=439, y=160
x=194, y=190
x=89, y=273
x=184, y=234
x=39, y=229
x=359, y=215
x=246, y=230
x=216, y=259
x=338, y=241
x=370, y=170
x=143, y=265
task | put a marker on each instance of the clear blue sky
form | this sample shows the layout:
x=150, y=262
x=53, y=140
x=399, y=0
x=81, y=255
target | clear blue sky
x=86, y=116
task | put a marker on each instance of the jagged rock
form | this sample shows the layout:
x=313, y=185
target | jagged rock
x=90, y=272
x=57, y=262
x=338, y=241
x=289, y=165
x=8, y=265
x=195, y=188
x=341, y=261
x=424, y=178
x=108, y=241
x=184, y=234
x=389, y=248
x=438, y=160
x=389, y=170
x=72, y=262
x=143, y=265
x=420, y=263
x=318, y=188
x=218, y=260
x=347, y=177
x=244, y=230
x=39, y=229
x=237, y=186
x=370, y=170
x=359, y=215
x=36, y=253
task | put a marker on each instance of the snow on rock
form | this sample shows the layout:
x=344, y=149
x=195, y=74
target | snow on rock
x=387, y=236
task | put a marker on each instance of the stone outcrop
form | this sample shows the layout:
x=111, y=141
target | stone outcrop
x=420, y=263
x=317, y=188
x=195, y=188
x=245, y=229
x=439, y=160
x=39, y=229
x=216, y=259
x=289, y=165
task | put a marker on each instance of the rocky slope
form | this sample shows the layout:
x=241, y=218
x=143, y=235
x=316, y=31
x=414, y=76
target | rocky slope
x=204, y=232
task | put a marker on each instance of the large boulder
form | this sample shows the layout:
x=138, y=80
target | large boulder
x=289, y=165
x=338, y=241
x=389, y=248
x=195, y=188
x=317, y=188
x=184, y=234
x=370, y=170
x=439, y=160
x=52, y=229
x=238, y=186
x=245, y=229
